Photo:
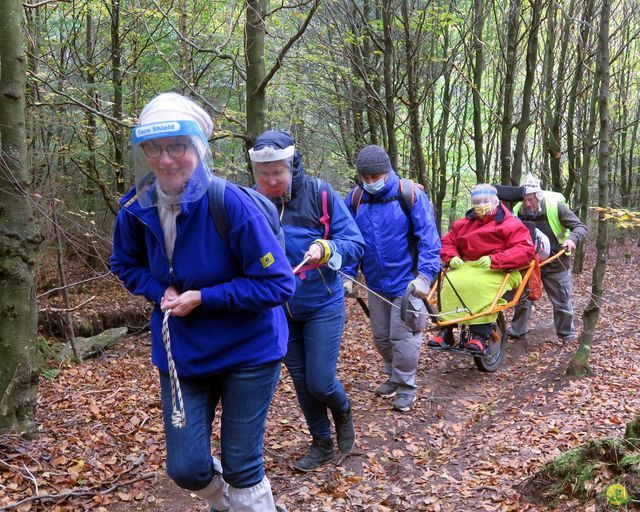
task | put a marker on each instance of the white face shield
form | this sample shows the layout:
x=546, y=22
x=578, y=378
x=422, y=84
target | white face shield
x=172, y=162
x=273, y=170
x=484, y=201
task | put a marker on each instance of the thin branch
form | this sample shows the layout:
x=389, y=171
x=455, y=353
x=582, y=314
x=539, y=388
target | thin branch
x=53, y=290
x=287, y=46
x=225, y=134
x=67, y=310
x=44, y=2
x=77, y=102
x=190, y=87
x=198, y=48
x=76, y=492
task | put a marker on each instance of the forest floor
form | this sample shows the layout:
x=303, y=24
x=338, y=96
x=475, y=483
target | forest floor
x=470, y=439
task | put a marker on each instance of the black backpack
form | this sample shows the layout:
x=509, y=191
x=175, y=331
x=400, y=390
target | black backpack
x=219, y=212
x=266, y=207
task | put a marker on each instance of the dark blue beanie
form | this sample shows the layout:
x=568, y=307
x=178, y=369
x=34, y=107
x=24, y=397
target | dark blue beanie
x=373, y=160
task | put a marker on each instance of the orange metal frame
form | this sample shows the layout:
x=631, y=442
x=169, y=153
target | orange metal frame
x=494, y=308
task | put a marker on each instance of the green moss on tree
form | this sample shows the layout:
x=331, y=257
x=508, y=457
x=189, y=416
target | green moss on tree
x=573, y=473
x=632, y=432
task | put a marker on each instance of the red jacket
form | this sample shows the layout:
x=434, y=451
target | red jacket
x=502, y=236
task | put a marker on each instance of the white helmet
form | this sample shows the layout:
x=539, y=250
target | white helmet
x=531, y=184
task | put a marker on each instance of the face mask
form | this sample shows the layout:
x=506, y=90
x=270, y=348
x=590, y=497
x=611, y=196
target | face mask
x=482, y=209
x=374, y=187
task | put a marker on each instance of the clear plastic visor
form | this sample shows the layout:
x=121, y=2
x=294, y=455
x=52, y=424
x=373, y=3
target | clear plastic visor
x=483, y=202
x=273, y=179
x=171, y=169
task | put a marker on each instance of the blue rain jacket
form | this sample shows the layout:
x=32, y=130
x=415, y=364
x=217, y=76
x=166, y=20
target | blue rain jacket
x=300, y=216
x=387, y=264
x=240, y=322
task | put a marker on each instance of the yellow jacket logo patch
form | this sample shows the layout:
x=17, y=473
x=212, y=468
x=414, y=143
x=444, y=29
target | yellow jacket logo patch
x=267, y=260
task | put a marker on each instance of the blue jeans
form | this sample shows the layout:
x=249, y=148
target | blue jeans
x=246, y=394
x=312, y=357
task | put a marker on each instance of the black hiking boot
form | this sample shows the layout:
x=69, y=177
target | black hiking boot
x=345, y=432
x=321, y=451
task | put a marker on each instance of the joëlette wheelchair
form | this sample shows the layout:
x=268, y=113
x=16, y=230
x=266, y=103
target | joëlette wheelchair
x=490, y=360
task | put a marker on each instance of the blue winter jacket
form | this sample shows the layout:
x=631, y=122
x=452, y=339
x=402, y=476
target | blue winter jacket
x=387, y=264
x=320, y=287
x=240, y=322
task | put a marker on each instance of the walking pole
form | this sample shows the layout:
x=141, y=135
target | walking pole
x=363, y=305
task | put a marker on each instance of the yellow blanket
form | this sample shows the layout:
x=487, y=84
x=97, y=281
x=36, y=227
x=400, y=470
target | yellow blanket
x=477, y=287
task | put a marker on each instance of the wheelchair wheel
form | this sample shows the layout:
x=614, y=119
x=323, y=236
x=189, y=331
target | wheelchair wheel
x=495, y=351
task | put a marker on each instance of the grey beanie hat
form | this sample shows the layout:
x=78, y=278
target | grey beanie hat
x=373, y=160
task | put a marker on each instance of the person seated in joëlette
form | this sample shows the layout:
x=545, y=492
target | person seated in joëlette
x=479, y=249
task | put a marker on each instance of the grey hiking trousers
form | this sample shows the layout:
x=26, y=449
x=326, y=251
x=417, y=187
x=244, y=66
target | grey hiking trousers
x=558, y=288
x=398, y=343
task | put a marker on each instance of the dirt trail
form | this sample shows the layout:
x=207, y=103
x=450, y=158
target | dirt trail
x=458, y=449
x=468, y=440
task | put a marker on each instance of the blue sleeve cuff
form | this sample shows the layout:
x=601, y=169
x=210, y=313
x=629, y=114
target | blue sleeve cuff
x=213, y=297
x=156, y=292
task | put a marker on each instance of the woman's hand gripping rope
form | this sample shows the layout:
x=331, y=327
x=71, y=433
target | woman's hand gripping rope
x=178, y=417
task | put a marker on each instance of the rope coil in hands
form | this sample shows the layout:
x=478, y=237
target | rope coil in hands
x=178, y=417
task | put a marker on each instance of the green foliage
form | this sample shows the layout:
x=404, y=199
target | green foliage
x=624, y=219
x=631, y=462
x=50, y=374
x=329, y=91
x=45, y=351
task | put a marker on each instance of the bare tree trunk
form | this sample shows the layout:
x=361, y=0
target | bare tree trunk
x=441, y=189
x=68, y=317
x=625, y=83
x=358, y=96
x=581, y=51
x=389, y=91
x=18, y=238
x=417, y=154
x=90, y=118
x=478, y=68
x=455, y=189
x=458, y=164
x=254, y=31
x=118, y=98
x=525, y=116
x=558, y=111
x=184, y=53
x=579, y=364
x=547, y=93
x=346, y=138
x=372, y=118
x=627, y=198
x=585, y=172
x=513, y=27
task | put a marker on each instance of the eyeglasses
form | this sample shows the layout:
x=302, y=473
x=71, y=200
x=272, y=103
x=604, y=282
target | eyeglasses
x=174, y=150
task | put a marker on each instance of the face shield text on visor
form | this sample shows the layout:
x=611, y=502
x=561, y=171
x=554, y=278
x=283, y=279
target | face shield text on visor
x=273, y=170
x=172, y=162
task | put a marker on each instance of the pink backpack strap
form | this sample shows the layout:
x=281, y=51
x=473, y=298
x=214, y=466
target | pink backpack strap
x=325, y=220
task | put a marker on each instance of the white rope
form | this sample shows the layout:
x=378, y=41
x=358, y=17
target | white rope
x=384, y=299
x=178, y=417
